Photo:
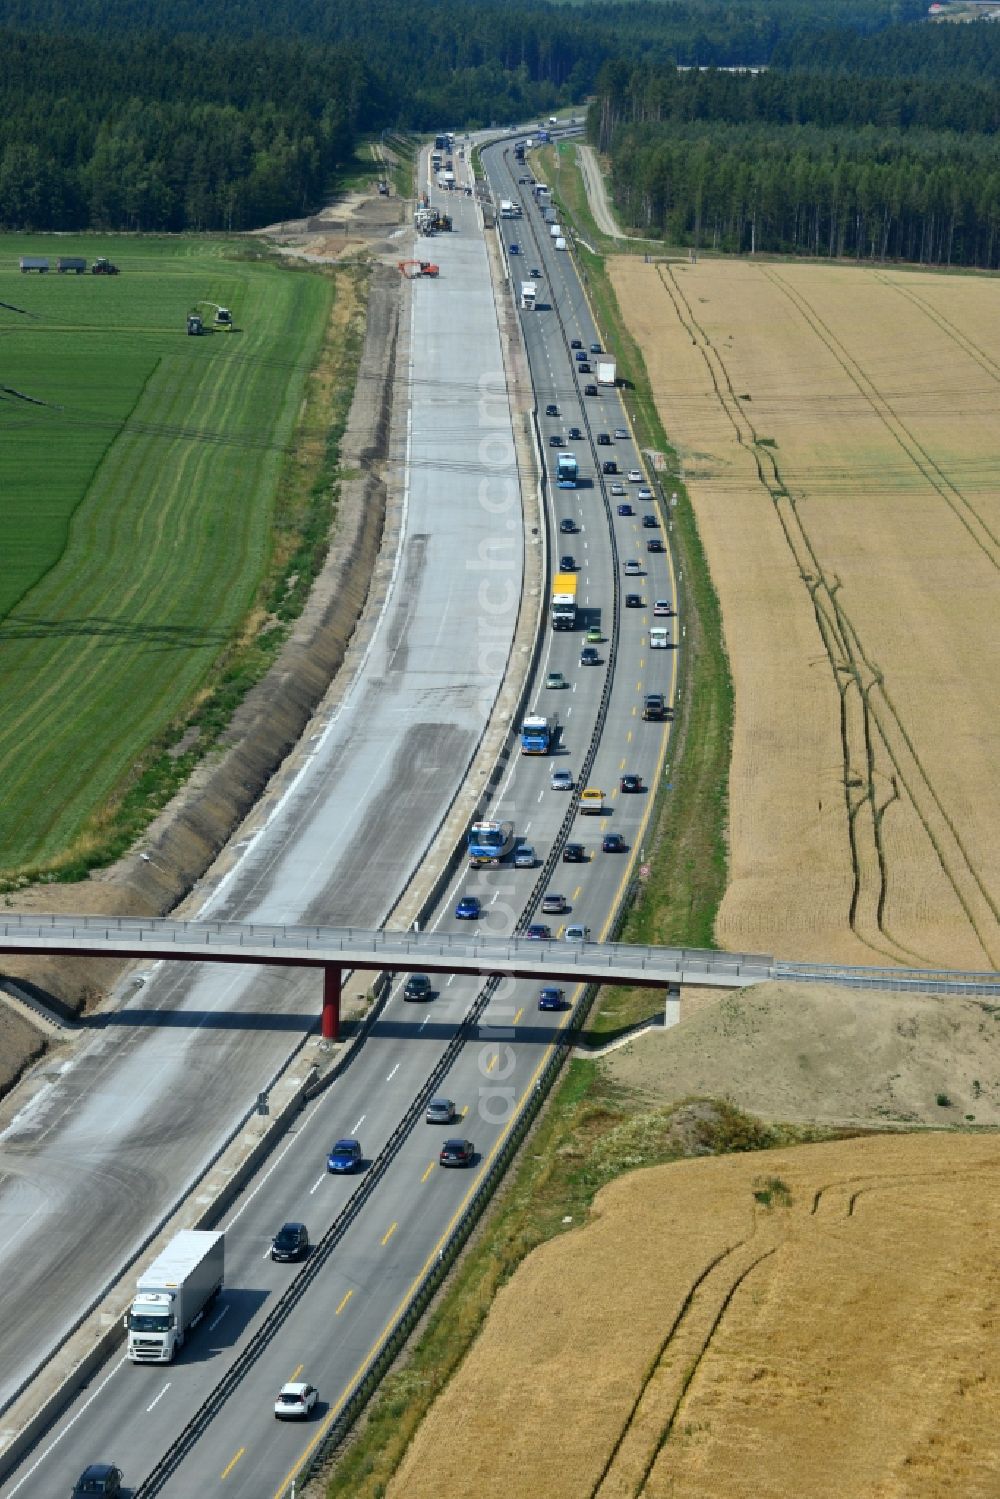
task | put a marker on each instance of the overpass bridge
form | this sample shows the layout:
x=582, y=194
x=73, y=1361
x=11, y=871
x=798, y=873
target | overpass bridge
x=335, y=950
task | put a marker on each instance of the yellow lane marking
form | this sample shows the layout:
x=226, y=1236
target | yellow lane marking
x=604, y=823
x=634, y=712
x=628, y=737
x=638, y=686
x=427, y=1173
x=295, y=1372
x=493, y=1061
x=231, y=1465
x=576, y=892
x=344, y=1302
x=621, y=765
x=389, y=1233
x=463, y=1111
x=519, y=1014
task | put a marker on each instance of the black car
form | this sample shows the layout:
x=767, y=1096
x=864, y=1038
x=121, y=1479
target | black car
x=567, y=564
x=633, y=601
x=576, y=343
x=555, y=440
x=630, y=783
x=291, y=1242
x=567, y=525
x=574, y=853
x=610, y=466
x=650, y=521
x=590, y=390
x=585, y=369
x=457, y=1153
x=655, y=544
x=613, y=843
x=417, y=986
x=575, y=434
x=589, y=656
x=604, y=439
x=535, y=273
x=100, y=1478
x=552, y=409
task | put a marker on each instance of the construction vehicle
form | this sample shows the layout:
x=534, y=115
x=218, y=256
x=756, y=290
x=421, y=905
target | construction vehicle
x=195, y=325
x=224, y=319
x=414, y=268
x=103, y=267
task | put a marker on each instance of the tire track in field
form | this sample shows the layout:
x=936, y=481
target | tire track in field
x=956, y=500
x=863, y=810
x=981, y=909
x=869, y=717
x=651, y=1421
x=968, y=346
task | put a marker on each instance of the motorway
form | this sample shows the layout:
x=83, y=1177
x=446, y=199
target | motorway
x=130, y=1415
x=104, y=1151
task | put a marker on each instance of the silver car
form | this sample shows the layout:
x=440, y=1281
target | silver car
x=440, y=1111
x=561, y=780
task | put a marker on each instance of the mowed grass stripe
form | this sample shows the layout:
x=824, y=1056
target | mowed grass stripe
x=162, y=559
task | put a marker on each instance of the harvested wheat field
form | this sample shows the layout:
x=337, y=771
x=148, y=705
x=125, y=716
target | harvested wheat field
x=798, y=1324
x=827, y=1055
x=838, y=433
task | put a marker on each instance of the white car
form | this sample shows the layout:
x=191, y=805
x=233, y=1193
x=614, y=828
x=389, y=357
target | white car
x=577, y=933
x=634, y=476
x=617, y=488
x=661, y=609
x=295, y=1401
x=561, y=780
x=644, y=492
x=632, y=569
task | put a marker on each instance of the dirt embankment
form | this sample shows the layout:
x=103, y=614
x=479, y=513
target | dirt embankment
x=821, y=1054
x=192, y=830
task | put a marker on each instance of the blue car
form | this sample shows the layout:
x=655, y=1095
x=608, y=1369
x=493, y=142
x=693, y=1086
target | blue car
x=551, y=998
x=344, y=1158
x=468, y=908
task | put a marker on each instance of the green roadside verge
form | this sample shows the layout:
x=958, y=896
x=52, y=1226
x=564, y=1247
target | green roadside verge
x=591, y=1131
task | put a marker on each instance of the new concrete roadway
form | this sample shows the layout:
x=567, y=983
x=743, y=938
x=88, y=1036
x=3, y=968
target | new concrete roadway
x=104, y=1151
x=132, y=1414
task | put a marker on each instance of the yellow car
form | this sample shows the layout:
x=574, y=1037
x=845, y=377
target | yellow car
x=592, y=800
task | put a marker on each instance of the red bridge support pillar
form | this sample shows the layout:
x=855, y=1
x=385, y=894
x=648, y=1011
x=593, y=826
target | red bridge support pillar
x=332, y=976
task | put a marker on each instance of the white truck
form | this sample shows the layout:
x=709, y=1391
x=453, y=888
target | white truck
x=172, y=1295
x=506, y=208
x=658, y=638
x=555, y=231
x=560, y=243
x=529, y=291
x=606, y=371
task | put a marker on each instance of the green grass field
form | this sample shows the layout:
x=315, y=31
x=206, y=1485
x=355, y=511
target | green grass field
x=138, y=473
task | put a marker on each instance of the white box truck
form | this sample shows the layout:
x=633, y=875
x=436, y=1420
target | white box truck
x=172, y=1294
x=560, y=243
x=658, y=640
x=555, y=230
x=529, y=291
x=606, y=371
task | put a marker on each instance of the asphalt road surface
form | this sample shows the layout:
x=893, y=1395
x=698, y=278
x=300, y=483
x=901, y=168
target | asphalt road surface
x=130, y=1415
x=105, y=1150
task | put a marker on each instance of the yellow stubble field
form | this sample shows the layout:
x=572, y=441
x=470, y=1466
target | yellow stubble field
x=839, y=434
x=785, y=1325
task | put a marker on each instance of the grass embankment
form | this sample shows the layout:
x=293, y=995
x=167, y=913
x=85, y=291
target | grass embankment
x=591, y=1132
x=166, y=505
